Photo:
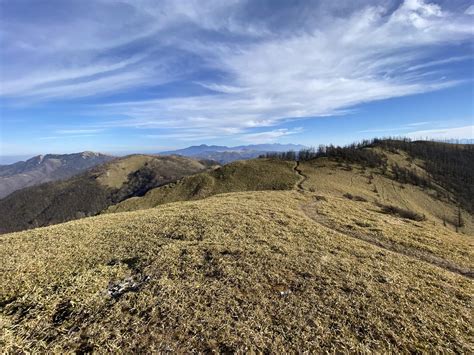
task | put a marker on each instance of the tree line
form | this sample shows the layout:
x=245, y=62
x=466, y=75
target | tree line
x=352, y=153
x=448, y=163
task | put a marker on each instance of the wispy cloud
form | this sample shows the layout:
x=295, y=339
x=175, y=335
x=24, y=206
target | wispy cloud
x=312, y=73
x=270, y=136
x=400, y=129
x=40, y=82
x=250, y=71
x=78, y=131
x=469, y=10
x=465, y=132
x=73, y=136
x=422, y=123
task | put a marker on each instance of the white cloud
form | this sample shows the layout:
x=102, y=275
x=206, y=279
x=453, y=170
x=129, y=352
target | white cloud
x=469, y=10
x=33, y=83
x=59, y=138
x=266, y=76
x=422, y=123
x=78, y=131
x=85, y=52
x=269, y=136
x=311, y=74
x=465, y=132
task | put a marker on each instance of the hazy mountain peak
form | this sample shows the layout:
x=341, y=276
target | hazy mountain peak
x=89, y=154
x=46, y=167
x=38, y=159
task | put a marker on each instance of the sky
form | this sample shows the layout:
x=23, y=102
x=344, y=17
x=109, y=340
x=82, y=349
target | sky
x=145, y=76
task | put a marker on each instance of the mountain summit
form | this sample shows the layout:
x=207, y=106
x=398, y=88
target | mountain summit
x=44, y=168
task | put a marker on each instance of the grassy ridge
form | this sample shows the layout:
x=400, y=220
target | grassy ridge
x=239, y=271
x=250, y=175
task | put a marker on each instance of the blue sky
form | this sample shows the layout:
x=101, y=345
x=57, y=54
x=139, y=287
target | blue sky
x=144, y=76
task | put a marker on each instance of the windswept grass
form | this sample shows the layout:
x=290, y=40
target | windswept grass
x=334, y=265
x=234, y=272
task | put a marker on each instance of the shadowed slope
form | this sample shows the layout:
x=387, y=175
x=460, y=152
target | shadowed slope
x=91, y=192
x=45, y=168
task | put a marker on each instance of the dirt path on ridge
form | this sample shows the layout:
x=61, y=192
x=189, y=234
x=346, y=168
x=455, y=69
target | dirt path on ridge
x=303, y=177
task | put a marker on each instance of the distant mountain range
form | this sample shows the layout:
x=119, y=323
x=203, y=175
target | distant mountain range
x=224, y=154
x=46, y=168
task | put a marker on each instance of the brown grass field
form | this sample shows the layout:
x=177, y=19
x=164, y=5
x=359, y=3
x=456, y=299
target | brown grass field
x=308, y=269
x=249, y=175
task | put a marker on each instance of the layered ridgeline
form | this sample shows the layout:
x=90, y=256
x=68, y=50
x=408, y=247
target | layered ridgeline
x=352, y=255
x=224, y=154
x=91, y=192
x=45, y=168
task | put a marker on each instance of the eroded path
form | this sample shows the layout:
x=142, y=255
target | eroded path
x=303, y=177
x=311, y=211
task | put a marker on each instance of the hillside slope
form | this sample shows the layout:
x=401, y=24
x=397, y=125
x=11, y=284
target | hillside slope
x=256, y=271
x=91, y=192
x=449, y=165
x=250, y=175
x=45, y=168
x=375, y=183
x=361, y=183
x=347, y=259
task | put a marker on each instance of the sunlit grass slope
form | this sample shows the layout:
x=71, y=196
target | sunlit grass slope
x=331, y=178
x=347, y=260
x=254, y=271
x=248, y=175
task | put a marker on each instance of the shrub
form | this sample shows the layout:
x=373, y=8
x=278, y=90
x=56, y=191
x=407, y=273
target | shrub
x=401, y=212
x=355, y=198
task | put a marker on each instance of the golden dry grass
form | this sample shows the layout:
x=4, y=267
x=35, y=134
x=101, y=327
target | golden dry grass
x=249, y=175
x=241, y=272
x=280, y=271
x=116, y=173
x=326, y=177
